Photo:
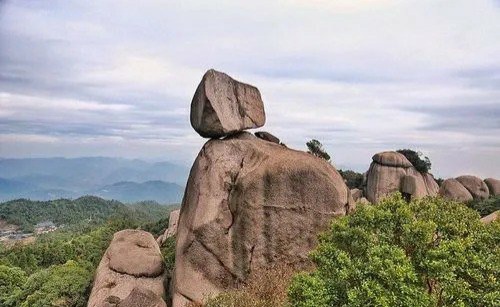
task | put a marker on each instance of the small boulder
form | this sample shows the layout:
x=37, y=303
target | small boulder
x=391, y=158
x=132, y=260
x=493, y=186
x=141, y=297
x=356, y=194
x=135, y=252
x=476, y=187
x=490, y=217
x=454, y=190
x=222, y=106
x=266, y=136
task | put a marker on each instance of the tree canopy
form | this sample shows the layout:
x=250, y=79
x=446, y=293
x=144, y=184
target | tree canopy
x=421, y=163
x=429, y=252
x=315, y=148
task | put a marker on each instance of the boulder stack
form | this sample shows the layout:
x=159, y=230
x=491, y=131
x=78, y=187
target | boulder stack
x=391, y=172
x=249, y=202
x=130, y=270
x=222, y=106
x=466, y=188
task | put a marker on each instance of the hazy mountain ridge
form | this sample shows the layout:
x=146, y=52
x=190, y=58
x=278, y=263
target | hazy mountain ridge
x=52, y=178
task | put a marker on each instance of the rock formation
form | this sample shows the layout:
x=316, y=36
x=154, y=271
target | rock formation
x=223, y=106
x=391, y=172
x=171, y=231
x=266, y=136
x=466, y=188
x=132, y=261
x=493, y=186
x=476, y=187
x=249, y=203
x=491, y=217
x=356, y=194
x=454, y=190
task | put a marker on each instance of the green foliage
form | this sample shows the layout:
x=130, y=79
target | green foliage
x=168, y=252
x=430, y=252
x=352, y=179
x=485, y=206
x=87, y=209
x=12, y=280
x=316, y=148
x=58, y=285
x=422, y=165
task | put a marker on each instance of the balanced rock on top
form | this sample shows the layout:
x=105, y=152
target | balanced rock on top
x=222, y=106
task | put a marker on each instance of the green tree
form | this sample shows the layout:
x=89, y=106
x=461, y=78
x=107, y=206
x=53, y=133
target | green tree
x=429, y=252
x=422, y=164
x=12, y=280
x=60, y=285
x=352, y=179
x=315, y=148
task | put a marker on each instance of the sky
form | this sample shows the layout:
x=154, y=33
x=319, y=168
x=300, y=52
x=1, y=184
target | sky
x=116, y=78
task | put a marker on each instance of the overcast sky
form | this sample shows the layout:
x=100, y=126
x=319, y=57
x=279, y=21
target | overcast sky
x=116, y=78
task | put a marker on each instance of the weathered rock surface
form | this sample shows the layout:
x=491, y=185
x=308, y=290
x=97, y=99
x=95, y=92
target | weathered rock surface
x=493, y=186
x=387, y=174
x=356, y=194
x=491, y=217
x=222, y=106
x=132, y=260
x=250, y=204
x=173, y=221
x=266, y=136
x=476, y=187
x=140, y=297
x=454, y=190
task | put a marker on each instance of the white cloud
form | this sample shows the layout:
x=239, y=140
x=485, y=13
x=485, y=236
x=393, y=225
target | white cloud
x=363, y=76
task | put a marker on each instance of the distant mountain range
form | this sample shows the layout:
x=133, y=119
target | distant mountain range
x=111, y=178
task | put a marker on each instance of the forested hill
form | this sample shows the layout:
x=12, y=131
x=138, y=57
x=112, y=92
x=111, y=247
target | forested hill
x=26, y=213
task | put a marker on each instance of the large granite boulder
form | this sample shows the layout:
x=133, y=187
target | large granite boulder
x=493, y=186
x=173, y=220
x=141, y=297
x=132, y=260
x=391, y=172
x=476, y=187
x=222, y=106
x=356, y=194
x=250, y=204
x=454, y=190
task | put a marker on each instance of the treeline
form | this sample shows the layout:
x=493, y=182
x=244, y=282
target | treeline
x=26, y=213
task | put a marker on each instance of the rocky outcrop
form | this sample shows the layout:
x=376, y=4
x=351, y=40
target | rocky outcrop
x=493, y=186
x=454, y=190
x=140, y=297
x=222, y=106
x=249, y=204
x=132, y=261
x=266, y=136
x=476, y=187
x=173, y=220
x=391, y=172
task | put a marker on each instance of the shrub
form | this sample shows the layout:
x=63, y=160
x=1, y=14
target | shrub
x=265, y=288
x=422, y=165
x=316, y=148
x=485, y=206
x=429, y=252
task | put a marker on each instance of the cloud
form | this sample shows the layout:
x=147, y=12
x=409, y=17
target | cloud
x=116, y=78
